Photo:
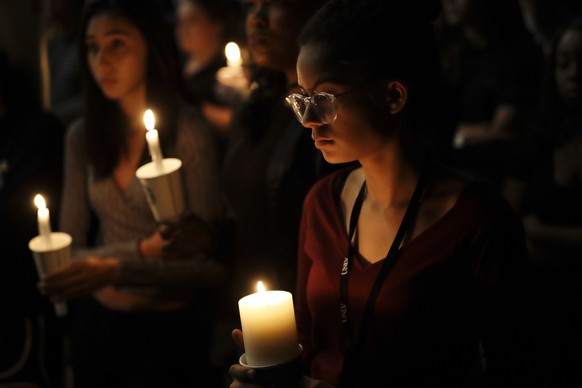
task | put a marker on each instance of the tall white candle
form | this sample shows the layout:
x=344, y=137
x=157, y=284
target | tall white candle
x=43, y=217
x=268, y=325
x=152, y=137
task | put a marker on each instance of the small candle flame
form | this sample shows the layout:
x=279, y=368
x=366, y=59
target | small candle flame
x=232, y=53
x=149, y=119
x=39, y=201
x=261, y=287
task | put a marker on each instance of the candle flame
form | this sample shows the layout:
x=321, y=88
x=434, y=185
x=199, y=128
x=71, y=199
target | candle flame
x=39, y=201
x=261, y=287
x=149, y=119
x=232, y=53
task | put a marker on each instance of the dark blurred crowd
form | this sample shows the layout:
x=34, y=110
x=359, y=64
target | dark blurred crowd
x=508, y=111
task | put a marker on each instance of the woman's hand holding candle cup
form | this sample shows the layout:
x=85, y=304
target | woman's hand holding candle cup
x=189, y=237
x=51, y=250
x=79, y=278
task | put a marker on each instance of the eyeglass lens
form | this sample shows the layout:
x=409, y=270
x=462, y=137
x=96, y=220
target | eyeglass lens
x=321, y=105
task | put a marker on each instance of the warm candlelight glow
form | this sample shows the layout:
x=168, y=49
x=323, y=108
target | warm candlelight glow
x=39, y=201
x=152, y=137
x=149, y=120
x=232, y=52
x=43, y=218
x=268, y=323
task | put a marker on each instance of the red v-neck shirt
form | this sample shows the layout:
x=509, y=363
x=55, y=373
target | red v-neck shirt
x=456, y=285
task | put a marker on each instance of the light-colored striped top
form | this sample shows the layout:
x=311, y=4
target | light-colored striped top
x=125, y=217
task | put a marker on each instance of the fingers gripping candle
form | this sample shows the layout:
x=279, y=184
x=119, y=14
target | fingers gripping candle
x=51, y=250
x=268, y=325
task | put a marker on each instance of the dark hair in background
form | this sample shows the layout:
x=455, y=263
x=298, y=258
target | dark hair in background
x=500, y=21
x=380, y=40
x=17, y=92
x=269, y=87
x=226, y=11
x=554, y=112
x=105, y=125
x=497, y=19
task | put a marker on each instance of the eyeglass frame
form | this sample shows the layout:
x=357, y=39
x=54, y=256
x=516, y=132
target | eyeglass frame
x=308, y=100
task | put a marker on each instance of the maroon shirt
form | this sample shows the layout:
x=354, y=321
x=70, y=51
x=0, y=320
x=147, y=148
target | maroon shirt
x=456, y=285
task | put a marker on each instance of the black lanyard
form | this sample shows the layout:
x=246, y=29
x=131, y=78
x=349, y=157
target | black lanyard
x=354, y=348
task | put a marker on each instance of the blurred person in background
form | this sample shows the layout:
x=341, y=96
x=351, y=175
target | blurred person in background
x=61, y=77
x=31, y=152
x=492, y=76
x=203, y=28
x=545, y=187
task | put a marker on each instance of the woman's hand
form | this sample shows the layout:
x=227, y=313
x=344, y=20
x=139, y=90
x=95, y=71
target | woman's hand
x=79, y=278
x=188, y=237
x=243, y=377
x=152, y=247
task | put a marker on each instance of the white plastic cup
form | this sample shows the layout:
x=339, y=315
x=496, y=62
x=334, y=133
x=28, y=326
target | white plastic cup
x=162, y=185
x=50, y=255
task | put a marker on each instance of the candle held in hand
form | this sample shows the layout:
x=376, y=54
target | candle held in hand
x=152, y=136
x=268, y=325
x=43, y=216
x=232, y=77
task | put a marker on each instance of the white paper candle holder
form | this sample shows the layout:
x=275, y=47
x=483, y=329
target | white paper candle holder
x=51, y=254
x=162, y=185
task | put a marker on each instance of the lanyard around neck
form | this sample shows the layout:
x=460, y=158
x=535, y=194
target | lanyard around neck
x=354, y=347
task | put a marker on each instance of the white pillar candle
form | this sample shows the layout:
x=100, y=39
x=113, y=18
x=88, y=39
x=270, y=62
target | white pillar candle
x=152, y=137
x=43, y=217
x=268, y=325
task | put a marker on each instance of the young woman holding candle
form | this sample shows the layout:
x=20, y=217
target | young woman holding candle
x=409, y=275
x=147, y=336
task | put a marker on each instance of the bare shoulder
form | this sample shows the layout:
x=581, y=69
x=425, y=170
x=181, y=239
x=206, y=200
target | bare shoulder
x=350, y=191
x=352, y=186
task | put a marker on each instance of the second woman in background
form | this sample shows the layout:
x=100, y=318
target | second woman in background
x=129, y=337
x=270, y=163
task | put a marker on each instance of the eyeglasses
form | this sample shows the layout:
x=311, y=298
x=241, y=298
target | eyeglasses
x=322, y=106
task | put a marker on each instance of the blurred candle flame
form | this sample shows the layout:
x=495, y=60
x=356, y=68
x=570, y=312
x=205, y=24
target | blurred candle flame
x=232, y=53
x=149, y=119
x=39, y=201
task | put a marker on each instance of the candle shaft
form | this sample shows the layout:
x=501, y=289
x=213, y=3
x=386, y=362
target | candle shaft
x=154, y=145
x=44, y=224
